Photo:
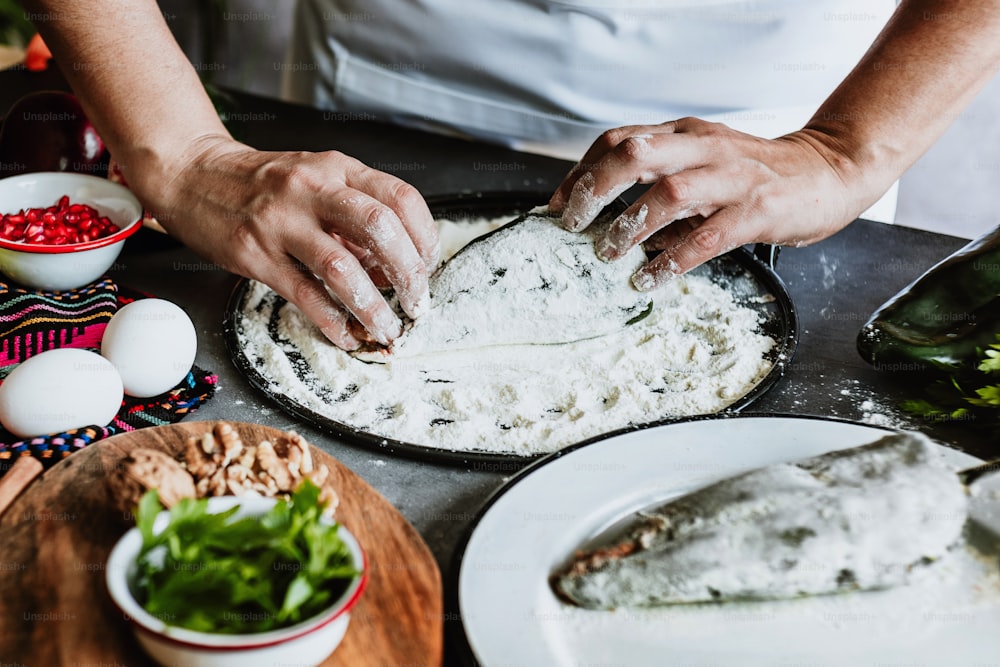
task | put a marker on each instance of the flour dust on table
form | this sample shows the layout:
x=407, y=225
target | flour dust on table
x=698, y=351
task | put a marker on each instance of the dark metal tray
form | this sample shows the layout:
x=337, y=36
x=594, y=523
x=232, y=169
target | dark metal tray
x=778, y=320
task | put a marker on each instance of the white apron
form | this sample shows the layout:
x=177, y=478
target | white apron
x=549, y=76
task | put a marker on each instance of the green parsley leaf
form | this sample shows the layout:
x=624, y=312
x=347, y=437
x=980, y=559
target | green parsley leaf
x=991, y=362
x=989, y=396
x=215, y=573
x=955, y=398
x=149, y=507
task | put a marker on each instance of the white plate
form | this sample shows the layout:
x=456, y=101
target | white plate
x=949, y=616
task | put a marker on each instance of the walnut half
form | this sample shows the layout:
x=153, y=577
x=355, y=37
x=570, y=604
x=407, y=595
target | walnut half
x=219, y=463
x=145, y=469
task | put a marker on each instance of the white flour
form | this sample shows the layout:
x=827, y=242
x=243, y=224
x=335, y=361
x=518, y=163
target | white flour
x=455, y=235
x=532, y=283
x=862, y=518
x=904, y=626
x=698, y=352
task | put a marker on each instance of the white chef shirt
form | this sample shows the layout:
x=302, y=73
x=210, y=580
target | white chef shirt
x=550, y=75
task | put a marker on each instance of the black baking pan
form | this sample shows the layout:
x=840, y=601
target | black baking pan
x=778, y=320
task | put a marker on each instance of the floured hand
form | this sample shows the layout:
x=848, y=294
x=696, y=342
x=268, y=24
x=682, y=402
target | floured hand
x=713, y=189
x=322, y=229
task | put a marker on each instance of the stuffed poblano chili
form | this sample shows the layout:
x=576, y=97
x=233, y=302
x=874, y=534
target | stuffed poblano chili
x=944, y=318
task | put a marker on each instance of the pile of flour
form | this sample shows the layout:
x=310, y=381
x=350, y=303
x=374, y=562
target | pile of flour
x=696, y=353
x=529, y=283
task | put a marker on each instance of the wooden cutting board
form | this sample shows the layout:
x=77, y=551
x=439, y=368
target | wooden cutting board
x=56, y=536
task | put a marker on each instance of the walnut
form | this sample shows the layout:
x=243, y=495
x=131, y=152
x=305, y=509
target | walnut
x=219, y=463
x=319, y=475
x=328, y=497
x=264, y=489
x=274, y=466
x=293, y=457
x=217, y=483
x=297, y=442
x=248, y=457
x=238, y=472
x=232, y=446
x=208, y=444
x=198, y=462
x=268, y=483
x=144, y=469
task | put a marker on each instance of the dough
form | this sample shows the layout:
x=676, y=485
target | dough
x=530, y=282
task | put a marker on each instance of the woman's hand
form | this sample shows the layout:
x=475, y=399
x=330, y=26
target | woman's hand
x=713, y=189
x=321, y=229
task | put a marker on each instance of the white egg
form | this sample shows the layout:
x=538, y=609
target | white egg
x=152, y=343
x=58, y=390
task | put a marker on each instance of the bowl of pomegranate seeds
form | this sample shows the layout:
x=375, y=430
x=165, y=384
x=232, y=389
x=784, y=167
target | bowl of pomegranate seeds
x=61, y=230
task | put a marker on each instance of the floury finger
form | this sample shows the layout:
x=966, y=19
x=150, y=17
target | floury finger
x=597, y=151
x=408, y=205
x=585, y=204
x=309, y=294
x=639, y=158
x=346, y=278
x=370, y=224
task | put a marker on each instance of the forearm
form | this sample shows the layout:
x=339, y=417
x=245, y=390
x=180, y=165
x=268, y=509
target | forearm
x=134, y=82
x=928, y=63
x=307, y=224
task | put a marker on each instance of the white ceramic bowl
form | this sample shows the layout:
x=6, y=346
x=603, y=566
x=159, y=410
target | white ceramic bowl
x=307, y=643
x=63, y=267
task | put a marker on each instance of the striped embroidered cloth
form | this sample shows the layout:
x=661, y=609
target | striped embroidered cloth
x=32, y=322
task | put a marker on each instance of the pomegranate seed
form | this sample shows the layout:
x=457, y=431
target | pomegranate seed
x=60, y=224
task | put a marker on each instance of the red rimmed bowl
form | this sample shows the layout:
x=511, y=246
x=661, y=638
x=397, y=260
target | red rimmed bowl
x=72, y=265
x=307, y=643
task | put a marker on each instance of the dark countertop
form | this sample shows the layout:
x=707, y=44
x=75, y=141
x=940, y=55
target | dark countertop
x=834, y=284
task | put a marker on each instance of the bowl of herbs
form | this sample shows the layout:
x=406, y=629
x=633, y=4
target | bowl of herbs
x=237, y=580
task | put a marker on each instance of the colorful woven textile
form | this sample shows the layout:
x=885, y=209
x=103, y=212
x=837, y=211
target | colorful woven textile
x=31, y=322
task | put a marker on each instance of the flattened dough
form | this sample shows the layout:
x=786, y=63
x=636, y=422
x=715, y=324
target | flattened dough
x=530, y=282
